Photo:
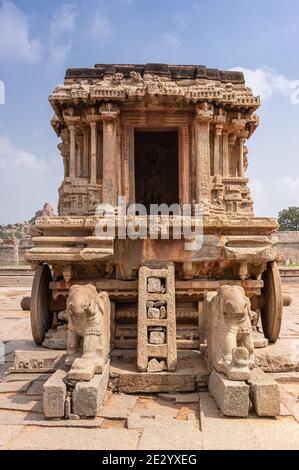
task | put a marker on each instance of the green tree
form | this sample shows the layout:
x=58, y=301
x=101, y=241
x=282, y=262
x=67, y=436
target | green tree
x=288, y=219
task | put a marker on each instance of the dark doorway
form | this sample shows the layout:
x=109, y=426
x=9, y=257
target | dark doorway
x=156, y=167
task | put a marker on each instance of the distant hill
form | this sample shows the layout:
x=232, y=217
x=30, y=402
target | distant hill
x=23, y=229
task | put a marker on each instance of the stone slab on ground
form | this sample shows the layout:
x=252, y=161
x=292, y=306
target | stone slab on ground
x=10, y=377
x=180, y=397
x=221, y=433
x=118, y=406
x=139, y=421
x=88, y=396
x=36, y=388
x=171, y=437
x=275, y=433
x=284, y=377
x=8, y=432
x=231, y=396
x=264, y=393
x=36, y=361
x=70, y=439
x=20, y=403
x=54, y=395
x=18, y=386
x=24, y=418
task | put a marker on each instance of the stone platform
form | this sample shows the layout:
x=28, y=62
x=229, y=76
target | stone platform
x=186, y=420
x=191, y=374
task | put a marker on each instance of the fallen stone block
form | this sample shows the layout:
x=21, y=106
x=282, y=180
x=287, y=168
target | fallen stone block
x=264, y=393
x=36, y=361
x=231, y=396
x=54, y=395
x=88, y=396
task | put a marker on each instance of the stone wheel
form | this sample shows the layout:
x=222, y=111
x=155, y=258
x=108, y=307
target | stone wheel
x=40, y=315
x=271, y=311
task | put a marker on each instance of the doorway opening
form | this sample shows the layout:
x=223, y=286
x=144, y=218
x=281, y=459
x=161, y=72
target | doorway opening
x=156, y=158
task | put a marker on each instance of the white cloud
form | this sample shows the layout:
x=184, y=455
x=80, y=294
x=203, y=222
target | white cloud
x=264, y=82
x=180, y=20
x=26, y=182
x=172, y=39
x=16, y=43
x=101, y=28
x=62, y=25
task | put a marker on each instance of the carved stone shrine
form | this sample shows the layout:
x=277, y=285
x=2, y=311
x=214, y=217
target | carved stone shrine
x=153, y=134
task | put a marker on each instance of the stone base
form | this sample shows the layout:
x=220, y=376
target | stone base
x=264, y=394
x=232, y=397
x=84, y=369
x=88, y=396
x=54, y=395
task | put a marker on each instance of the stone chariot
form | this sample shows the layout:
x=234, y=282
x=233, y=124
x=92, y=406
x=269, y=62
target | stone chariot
x=153, y=134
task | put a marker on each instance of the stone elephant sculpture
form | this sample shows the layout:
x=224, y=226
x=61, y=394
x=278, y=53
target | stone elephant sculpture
x=88, y=323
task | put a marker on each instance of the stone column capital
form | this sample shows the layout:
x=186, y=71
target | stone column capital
x=109, y=111
x=204, y=112
x=93, y=124
x=218, y=129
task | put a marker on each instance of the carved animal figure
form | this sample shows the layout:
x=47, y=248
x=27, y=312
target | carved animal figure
x=88, y=318
x=229, y=333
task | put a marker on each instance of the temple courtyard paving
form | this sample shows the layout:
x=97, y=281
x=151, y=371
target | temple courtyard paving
x=165, y=421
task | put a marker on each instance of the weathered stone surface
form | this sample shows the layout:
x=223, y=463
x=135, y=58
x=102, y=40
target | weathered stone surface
x=153, y=312
x=54, y=395
x=264, y=394
x=88, y=396
x=156, y=382
x=229, y=332
x=154, y=285
x=171, y=436
x=89, y=319
x=156, y=366
x=36, y=361
x=119, y=406
x=152, y=340
x=20, y=403
x=56, y=338
x=157, y=337
x=8, y=432
x=232, y=397
x=36, y=388
x=18, y=386
x=71, y=439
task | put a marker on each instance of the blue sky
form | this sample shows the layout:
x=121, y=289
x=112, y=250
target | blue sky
x=39, y=39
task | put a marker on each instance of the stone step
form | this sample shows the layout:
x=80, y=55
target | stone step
x=190, y=375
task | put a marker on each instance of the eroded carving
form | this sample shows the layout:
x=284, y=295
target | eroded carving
x=229, y=333
x=88, y=321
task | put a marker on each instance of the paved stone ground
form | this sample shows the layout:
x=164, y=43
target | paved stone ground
x=166, y=421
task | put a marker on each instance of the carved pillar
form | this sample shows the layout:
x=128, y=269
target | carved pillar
x=78, y=155
x=231, y=158
x=241, y=158
x=184, y=159
x=85, y=152
x=217, y=163
x=93, y=152
x=225, y=155
x=202, y=153
x=109, y=188
x=72, y=169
